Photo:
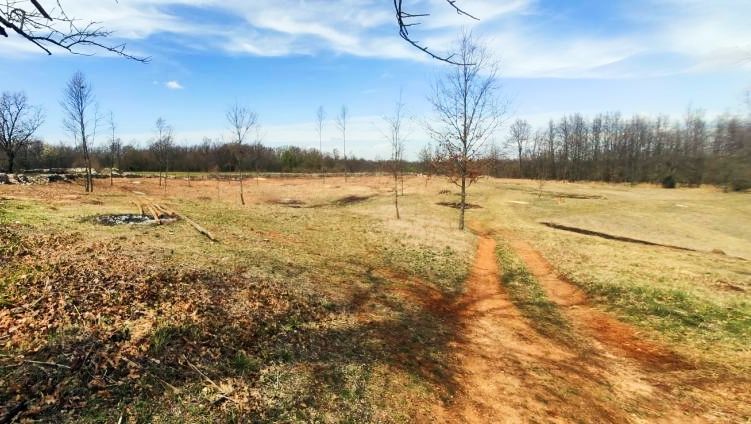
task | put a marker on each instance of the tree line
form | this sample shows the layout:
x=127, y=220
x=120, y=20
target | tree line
x=612, y=148
x=209, y=156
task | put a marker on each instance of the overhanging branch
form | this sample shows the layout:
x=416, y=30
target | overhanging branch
x=406, y=20
x=56, y=29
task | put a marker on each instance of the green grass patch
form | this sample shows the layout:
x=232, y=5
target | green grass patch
x=442, y=267
x=166, y=334
x=677, y=314
x=527, y=294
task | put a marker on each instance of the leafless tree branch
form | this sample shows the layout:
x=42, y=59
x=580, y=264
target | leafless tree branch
x=406, y=20
x=48, y=30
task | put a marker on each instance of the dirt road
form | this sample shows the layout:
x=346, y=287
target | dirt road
x=507, y=372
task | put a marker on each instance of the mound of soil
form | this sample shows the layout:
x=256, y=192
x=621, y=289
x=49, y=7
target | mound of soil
x=458, y=205
x=292, y=203
x=348, y=200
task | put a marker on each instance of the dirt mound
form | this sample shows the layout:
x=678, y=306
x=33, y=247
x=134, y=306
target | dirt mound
x=292, y=203
x=352, y=199
x=457, y=205
x=36, y=178
x=629, y=239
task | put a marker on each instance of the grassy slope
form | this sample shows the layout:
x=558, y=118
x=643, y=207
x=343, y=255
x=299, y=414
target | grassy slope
x=700, y=301
x=356, y=339
x=302, y=302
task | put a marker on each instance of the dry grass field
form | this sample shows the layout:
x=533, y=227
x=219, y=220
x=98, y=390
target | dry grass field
x=317, y=305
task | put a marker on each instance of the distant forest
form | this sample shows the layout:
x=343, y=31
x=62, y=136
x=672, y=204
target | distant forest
x=608, y=147
x=612, y=148
x=207, y=156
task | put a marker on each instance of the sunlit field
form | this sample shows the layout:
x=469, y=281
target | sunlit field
x=316, y=304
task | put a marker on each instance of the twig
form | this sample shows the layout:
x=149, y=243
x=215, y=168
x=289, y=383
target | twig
x=216, y=386
x=52, y=364
x=202, y=374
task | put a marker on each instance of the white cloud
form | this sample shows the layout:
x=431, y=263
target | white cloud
x=525, y=35
x=173, y=85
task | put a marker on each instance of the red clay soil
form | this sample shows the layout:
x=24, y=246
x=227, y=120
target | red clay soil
x=681, y=389
x=507, y=372
x=605, y=328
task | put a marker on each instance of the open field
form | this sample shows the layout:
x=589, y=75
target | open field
x=317, y=305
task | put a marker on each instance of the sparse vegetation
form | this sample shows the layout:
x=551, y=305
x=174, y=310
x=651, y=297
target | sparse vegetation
x=338, y=296
x=530, y=298
x=610, y=281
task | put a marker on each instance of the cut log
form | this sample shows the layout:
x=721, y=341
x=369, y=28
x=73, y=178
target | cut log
x=198, y=228
x=154, y=213
x=140, y=207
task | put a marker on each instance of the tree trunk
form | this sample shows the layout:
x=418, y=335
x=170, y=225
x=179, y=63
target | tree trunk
x=242, y=196
x=11, y=160
x=463, y=204
x=396, y=195
x=89, y=182
x=521, y=171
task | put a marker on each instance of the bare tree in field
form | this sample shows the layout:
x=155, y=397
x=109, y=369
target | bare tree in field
x=468, y=113
x=341, y=122
x=395, y=136
x=81, y=118
x=320, y=119
x=53, y=29
x=115, y=148
x=519, y=136
x=162, y=147
x=494, y=158
x=18, y=122
x=427, y=162
x=241, y=120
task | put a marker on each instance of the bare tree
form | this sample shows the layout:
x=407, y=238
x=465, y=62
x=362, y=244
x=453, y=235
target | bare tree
x=427, y=162
x=115, y=148
x=468, y=113
x=162, y=147
x=395, y=136
x=18, y=123
x=341, y=122
x=407, y=20
x=81, y=118
x=56, y=29
x=519, y=136
x=241, y=121
x=494, y=158
x=320, y=119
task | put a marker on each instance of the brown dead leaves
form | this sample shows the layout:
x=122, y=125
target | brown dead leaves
x=97, y=323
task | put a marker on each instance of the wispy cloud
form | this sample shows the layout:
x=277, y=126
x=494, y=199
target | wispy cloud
x=173, y=85
x=532, y=39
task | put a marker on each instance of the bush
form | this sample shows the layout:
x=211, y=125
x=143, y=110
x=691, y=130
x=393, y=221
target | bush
x=669, y=182
x=739, y=184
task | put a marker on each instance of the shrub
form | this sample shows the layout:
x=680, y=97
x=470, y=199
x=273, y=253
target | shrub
x=669, y=182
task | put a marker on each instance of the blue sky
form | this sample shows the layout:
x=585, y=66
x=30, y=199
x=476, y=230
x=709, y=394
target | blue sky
x=284, y=58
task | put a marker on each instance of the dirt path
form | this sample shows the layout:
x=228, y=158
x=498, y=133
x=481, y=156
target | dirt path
x=508, y=372
x=662, y=384
x=494, y=337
